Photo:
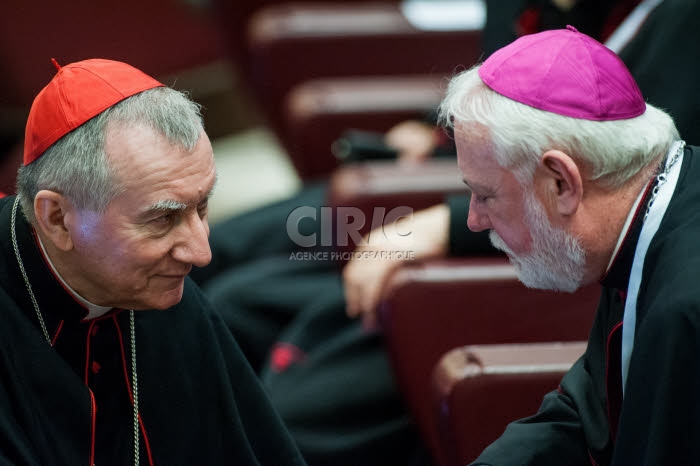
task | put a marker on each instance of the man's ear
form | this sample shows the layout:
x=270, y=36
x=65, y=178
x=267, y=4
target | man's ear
x=563, y=181
x=51, y=210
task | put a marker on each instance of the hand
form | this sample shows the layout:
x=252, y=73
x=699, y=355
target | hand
x=364, y=279
x=414, y=140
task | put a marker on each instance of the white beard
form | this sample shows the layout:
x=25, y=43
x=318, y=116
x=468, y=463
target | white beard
x=557, y=260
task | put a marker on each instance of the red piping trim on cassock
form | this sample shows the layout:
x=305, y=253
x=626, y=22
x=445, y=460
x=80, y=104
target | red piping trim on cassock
x=93, y=426
x=87, y=351
x=58, y=331
x=590, y=458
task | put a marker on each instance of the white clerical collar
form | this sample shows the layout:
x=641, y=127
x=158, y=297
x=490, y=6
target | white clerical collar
x=635, y=206
x=94, y=310
x=626, y=226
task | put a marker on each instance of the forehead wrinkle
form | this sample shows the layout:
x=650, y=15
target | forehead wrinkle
x=173, y=205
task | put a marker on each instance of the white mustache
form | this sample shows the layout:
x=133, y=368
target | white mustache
x=498, y=243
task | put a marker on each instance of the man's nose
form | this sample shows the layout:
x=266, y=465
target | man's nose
x=194, y=248
x=477, y=220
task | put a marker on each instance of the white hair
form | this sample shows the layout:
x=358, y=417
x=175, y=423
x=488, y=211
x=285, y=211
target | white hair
x=614, y=151
x=76, y=165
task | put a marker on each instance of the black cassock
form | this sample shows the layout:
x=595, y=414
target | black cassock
x=586, y=421
x=70, y=404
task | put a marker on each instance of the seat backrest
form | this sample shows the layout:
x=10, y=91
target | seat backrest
x=430, y=308
x=479, y=389
x=318, y=112
x=375, y=189
x=292, y=43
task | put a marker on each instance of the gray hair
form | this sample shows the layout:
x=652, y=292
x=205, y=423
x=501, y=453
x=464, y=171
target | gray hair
x=77, y=166
x=614, y=151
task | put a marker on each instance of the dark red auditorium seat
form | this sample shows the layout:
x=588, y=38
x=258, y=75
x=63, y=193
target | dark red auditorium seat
x=388, y=184
x=317, y=113
x=234, y=15
x=479, y=389
x=289, y=44
x=430, y=308
x=160, y=37
x=10, y=160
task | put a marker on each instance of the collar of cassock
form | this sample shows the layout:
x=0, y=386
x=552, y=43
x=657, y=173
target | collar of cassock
x=618, y=273
x=94, y=311
x=54, y=299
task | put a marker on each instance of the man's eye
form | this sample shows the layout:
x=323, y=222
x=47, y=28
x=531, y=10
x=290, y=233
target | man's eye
x=165, y=219
x=482, y=199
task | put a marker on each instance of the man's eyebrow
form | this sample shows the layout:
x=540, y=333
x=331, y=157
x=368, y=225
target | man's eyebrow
x=166, y=205
x=474, y=186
